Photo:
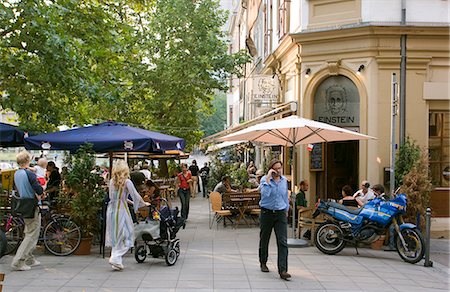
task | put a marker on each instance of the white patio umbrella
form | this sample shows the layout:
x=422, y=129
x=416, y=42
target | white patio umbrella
x=294, y=131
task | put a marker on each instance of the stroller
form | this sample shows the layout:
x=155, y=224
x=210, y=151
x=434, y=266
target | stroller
x=156, y=235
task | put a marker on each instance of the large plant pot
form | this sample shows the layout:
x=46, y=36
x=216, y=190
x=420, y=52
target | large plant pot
x=379, y=243
x=85, y=247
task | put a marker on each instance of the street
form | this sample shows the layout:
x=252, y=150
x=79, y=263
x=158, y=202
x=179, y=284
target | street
x=226, y=259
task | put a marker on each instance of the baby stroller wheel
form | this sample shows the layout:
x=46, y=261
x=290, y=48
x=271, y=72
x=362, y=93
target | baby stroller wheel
x=176, y=247
x=171, y=257
x=140, y=254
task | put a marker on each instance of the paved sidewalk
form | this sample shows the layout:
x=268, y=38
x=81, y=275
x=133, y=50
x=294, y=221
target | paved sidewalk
x=227, y=260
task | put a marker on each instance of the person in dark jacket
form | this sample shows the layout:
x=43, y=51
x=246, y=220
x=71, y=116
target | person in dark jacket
x=194, y=171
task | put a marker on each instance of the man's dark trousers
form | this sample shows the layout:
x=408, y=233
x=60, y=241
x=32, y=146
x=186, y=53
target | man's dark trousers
x=185, y=196
x=278, y=221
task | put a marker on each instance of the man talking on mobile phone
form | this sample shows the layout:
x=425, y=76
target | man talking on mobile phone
x=274, y=205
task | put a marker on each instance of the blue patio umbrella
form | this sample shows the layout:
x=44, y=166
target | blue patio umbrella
x=11, y=136
x=106, y=137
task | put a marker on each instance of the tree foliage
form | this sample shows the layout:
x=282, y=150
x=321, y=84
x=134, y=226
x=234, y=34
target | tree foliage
x=149, y=63
x=213, y=120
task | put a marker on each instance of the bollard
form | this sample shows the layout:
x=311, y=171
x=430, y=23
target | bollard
x=427, y=263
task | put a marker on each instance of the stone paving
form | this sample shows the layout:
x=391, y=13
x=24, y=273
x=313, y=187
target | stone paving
x=225, y=259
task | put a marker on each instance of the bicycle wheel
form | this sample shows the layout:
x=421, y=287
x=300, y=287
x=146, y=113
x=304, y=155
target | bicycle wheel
x=62, y=236
x=13, y=229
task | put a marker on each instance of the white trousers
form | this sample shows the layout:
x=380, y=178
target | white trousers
x=117, y=253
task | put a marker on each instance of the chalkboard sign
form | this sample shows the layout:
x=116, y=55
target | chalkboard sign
x=316, y=158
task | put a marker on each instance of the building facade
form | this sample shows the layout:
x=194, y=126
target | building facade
x=333, y=61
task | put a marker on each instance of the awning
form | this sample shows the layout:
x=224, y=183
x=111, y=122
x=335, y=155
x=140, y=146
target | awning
x=222, y=145
x=169, y=154
x=281, y=110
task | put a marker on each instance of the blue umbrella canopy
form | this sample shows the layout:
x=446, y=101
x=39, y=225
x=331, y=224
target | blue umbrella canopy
x=11, y=136
x=106, y=137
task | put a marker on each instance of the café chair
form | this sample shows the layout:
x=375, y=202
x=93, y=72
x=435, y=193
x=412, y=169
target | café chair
x=306, y=221
x=215, y=205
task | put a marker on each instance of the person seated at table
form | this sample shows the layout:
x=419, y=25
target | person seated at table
x=378, y=190
x=348, y=199
x=256, y=181
x=151, y=191
x=224, y=186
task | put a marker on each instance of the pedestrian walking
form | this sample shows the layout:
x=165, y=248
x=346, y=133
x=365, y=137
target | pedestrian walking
x=119, y=224
x=194, y=172
x=204, y=174
x=28, y=187
x=182, y=186
x=274, y=205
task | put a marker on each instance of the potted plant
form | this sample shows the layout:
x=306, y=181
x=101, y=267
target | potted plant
x=83, y=194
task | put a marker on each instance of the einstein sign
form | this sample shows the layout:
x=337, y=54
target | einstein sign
x=264, y=88
x=336, y=102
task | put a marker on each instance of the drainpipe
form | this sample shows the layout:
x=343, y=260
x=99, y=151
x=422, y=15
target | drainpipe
x=402, y=88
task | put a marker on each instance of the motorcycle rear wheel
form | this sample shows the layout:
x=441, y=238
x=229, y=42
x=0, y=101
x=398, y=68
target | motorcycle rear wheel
x=329, y=238
x=414, y=243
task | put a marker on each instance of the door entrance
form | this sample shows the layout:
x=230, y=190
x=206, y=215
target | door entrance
x=341, y=167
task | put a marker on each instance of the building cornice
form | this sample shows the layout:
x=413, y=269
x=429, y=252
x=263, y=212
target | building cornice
x=369, y=30
x=272, y=62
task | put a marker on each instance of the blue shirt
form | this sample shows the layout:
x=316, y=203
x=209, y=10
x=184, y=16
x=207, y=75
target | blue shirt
x=27, y=184
x=274, y=195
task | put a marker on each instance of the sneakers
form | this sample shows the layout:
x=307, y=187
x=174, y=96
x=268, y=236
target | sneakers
x=285, y=275
x=264, y=268
x=35, y=263
x=115, y=266
x=23, y=267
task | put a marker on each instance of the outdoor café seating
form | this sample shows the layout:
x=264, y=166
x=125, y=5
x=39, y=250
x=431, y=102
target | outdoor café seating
x=306, y=221
x=244, y=205
x=216, y=210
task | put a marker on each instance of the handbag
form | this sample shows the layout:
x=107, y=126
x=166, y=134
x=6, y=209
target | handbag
x=24, y=207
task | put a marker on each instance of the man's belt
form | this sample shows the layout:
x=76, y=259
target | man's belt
x=272, y=211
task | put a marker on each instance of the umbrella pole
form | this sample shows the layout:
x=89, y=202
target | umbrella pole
x=295, y=242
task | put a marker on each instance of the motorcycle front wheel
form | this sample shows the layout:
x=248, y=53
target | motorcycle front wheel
x=414, y=250
x=329, y=238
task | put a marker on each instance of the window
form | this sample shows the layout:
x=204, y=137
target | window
x=283, y=17
x=439, y=150
x=267, y=28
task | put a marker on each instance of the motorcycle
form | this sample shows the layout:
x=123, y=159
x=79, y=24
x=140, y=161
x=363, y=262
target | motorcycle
x=366, y=225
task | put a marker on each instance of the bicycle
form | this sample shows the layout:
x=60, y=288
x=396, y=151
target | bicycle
x=60, y=235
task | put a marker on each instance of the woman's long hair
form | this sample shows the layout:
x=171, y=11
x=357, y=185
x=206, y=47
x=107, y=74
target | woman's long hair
x=120, y=173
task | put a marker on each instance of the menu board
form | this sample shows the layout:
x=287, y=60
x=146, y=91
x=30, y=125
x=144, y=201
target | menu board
x=316, y=158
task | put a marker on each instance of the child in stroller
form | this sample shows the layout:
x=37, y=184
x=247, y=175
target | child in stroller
x=156, y=235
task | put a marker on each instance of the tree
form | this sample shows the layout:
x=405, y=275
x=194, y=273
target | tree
x=145, y=62
x=188, y=54
x=213, y=123
x=63, y=61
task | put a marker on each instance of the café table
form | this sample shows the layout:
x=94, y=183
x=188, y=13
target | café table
x=242, y=206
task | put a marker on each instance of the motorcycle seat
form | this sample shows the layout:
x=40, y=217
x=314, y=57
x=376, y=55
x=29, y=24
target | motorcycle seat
x=342, y=207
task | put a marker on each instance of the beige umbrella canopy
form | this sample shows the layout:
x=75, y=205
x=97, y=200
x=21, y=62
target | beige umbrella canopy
x=293, y=131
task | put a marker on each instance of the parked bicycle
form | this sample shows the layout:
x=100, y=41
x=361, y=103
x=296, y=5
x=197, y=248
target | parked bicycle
x=59, y=234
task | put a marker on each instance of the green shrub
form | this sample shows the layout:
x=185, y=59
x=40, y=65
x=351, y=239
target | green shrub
x=84, y=194
x=407, y=156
